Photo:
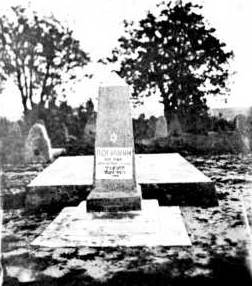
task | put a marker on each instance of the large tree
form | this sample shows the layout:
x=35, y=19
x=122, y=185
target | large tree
x=40, y=53
x=176, y=55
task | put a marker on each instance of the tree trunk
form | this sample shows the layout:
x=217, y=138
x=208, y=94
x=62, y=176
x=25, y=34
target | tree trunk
x=167, y=114
x=24, y=103
x=43, y=89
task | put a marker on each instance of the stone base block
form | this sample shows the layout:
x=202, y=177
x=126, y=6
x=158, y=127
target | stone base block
x=114, y=201
x=54, y=197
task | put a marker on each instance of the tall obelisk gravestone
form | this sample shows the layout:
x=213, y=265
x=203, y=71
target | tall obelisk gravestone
x=115, y=186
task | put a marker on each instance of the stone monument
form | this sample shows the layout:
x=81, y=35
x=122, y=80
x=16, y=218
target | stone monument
x=15, y=131
x=115, y=186
x=38, y=145
x=161, y=128
x=174, y=126
x=114, y=212
x=118, y=177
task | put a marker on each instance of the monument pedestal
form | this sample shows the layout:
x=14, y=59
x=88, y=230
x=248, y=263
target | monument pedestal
x=114, y=201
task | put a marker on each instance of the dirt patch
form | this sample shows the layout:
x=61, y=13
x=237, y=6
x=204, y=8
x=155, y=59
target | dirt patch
x=219, y=235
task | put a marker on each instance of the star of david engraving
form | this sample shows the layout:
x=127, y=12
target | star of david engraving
x=113, y=137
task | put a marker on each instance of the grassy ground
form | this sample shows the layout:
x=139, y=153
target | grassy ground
x=220, y=251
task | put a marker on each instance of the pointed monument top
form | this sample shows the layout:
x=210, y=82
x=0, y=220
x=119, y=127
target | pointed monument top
x=112, y=79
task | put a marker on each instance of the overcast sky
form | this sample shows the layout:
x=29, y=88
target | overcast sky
x=98, y=25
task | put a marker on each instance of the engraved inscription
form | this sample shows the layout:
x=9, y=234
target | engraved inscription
x=114, y=163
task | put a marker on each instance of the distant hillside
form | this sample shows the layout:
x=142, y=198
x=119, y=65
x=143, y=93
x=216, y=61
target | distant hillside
x=229, y=113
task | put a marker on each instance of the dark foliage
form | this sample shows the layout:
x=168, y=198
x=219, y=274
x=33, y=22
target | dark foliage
x=176, y=55
x=40, y=54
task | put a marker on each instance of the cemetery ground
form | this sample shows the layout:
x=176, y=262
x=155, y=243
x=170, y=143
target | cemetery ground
x=220, y=238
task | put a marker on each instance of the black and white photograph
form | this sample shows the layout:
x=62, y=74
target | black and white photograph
x=125, y=142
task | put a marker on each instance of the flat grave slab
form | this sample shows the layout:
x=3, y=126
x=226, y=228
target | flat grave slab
x=151, y=226
x=66, y=171
x=150, y=169
x=167, y=177
x=167, y=168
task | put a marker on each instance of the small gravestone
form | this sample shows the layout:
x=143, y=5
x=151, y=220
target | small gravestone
x=15, y=131
x=161, y=128
x=13, y=146
x=241, y=123
x=242, y=128
x=115, y=187
x=37, y=145
x=174, y=126
x=89, y=132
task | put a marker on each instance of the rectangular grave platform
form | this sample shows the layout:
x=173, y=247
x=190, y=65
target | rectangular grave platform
x=152, y=226
x=167, y=177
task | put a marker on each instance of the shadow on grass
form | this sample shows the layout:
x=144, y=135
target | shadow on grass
x=223, y=271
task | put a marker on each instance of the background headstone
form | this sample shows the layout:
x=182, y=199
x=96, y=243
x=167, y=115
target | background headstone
x=37, y=145
x=242, y=127
x=15, y=130
x=241, y=123
x=174, y=127
x=161, y=128
x=89, y=132
x=12, y=151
